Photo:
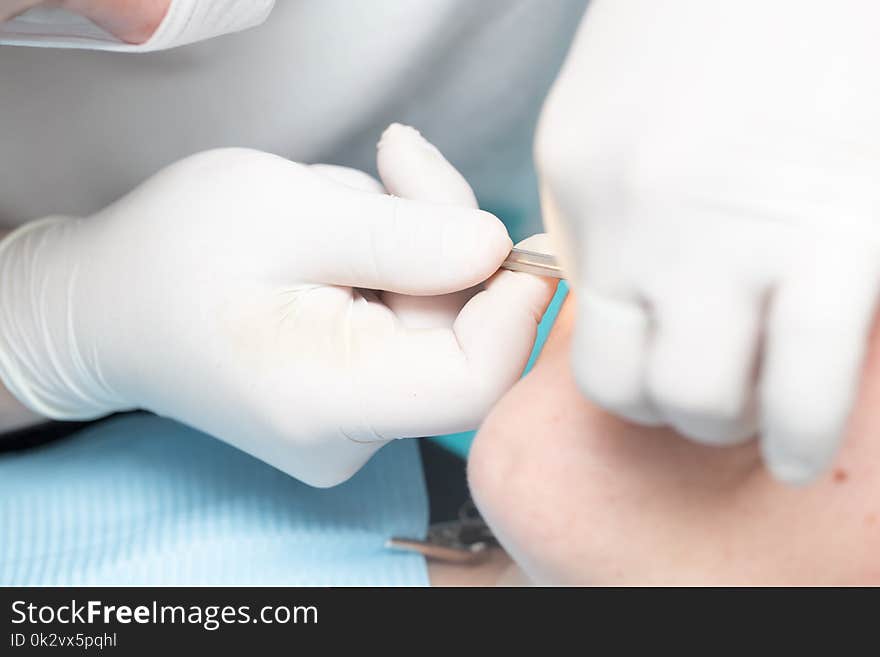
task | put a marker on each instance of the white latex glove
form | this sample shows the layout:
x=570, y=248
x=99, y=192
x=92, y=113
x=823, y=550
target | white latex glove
x=711, y=179
x=232, y=292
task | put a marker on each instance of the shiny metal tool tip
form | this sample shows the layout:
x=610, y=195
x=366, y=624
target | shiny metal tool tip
x=532, y=262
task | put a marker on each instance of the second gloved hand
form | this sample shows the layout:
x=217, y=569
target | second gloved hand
x=710, y=175
x=236, y=291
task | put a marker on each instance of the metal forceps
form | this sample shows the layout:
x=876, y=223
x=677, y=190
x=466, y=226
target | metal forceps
x=532, y=262
x=467, y=540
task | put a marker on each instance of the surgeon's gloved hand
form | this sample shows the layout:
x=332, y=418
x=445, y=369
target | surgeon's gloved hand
x=235, y=292
x=711, y=178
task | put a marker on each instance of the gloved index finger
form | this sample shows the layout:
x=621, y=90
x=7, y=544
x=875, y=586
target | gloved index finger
x=387, y=243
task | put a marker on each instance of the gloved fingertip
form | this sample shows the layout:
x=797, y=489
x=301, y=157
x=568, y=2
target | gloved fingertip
x=521, y=294
x=788, y=467
x=400, y=132
x=475, y=240
x=429, y=249
x=792, y=471
x=608, y=352
x=412, y=167
x=539, y=242
x=711, y=430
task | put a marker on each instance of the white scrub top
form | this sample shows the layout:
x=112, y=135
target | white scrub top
x=317, y=82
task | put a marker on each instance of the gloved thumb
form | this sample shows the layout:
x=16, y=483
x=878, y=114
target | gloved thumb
x=387, y=243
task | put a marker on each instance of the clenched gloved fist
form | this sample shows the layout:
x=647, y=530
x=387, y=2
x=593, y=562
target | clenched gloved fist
x=245, y=295
x=711, y=178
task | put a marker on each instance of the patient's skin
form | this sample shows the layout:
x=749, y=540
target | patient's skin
x=577, y=496
x=132, y=21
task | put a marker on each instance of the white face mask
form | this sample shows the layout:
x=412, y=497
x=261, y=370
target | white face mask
x=186, y=21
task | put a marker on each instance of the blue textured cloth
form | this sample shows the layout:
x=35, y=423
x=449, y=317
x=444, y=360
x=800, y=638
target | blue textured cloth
x=143, y=500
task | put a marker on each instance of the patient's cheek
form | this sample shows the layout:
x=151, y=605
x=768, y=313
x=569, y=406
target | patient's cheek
x=503, y=478
x=542, y=472
x=524, y=475
x=577, y=496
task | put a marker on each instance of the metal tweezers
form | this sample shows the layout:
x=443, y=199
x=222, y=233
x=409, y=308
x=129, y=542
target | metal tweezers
x=532, y=262
x=467, y=540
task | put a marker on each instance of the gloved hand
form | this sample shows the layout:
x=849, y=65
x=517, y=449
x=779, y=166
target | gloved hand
x=710, y=178
x=233, y=291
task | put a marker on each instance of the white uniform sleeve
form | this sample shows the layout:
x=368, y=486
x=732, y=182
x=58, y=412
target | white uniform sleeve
x=187, y=21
